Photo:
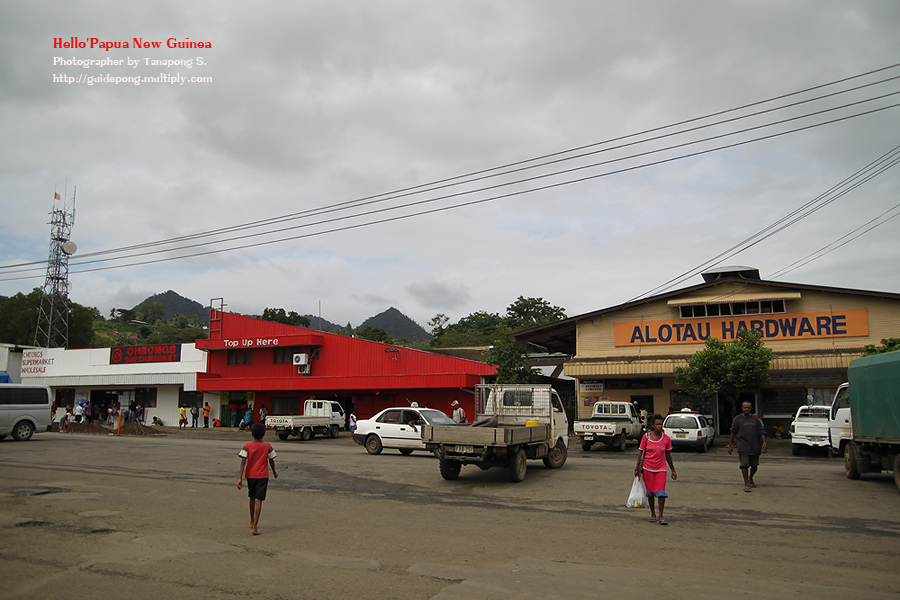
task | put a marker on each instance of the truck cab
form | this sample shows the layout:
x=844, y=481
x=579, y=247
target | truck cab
x=839, y=432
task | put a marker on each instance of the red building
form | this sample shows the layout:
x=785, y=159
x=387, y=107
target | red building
x=261, y=363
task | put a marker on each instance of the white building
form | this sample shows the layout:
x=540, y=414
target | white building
x=159, y=377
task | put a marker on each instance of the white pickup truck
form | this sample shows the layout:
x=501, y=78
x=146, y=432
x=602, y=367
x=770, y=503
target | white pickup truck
x=319, y=416
x=612, y=423
x=810, y=429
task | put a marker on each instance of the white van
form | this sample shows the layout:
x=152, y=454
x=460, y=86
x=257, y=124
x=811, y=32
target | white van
x=839, y=432
x=24, y=410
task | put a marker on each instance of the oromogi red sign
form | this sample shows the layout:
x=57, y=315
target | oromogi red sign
x=155, y=353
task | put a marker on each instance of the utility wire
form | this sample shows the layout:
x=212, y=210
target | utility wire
x=473, y=202
x=369, y=213
x=835, y=245
x=860, y=177
x=482, y=174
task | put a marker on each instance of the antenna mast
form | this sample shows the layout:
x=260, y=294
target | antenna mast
x=53, y=321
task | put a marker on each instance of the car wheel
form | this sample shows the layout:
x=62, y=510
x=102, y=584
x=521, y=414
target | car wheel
x=373, y=445
x=283, y=434
x=586, y=446
x=705, y=445
x=622, y=441
x=23, y=431
x=796, y=449
x=897, y=471
x=557, y=456
x=406, y=451
x=518, y=465
x=851, y=462
x=306, y=434
x=450, y=469
x=334, y=431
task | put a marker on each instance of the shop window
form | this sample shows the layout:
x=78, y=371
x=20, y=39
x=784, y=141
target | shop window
x=189, y=399
x=240, y=356
x=65, y=397
x=146, y=397
x=286, y=406
x=285, y=356
x=766, y=307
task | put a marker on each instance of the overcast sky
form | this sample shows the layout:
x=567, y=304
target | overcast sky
x=314, y=104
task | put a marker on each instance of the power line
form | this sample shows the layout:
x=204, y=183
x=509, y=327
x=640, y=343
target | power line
x=860, y=177
x=343, y=206
x=481, y=175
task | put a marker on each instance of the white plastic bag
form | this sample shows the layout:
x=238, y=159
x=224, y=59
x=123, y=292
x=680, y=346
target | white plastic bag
x=638, y=496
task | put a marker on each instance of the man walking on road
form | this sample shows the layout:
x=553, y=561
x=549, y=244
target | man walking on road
x=751, y=442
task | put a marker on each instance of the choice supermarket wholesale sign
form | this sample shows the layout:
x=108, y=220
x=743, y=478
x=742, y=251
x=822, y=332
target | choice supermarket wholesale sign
x=799, y=326
x=156, y=353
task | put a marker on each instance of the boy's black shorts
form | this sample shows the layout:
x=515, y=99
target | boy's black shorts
x=256, y=488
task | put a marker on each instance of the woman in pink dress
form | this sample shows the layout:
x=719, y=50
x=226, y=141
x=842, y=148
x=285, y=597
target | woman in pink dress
x=656, y=451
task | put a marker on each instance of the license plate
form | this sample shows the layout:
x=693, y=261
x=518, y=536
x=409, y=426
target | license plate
x=589, y=438
x=681, y=435
x=465, y=449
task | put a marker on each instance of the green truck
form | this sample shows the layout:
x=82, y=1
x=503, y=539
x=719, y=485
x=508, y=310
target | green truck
x=874, y=416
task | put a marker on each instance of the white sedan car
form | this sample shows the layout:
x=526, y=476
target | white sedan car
x=689, y=428
x=397, y=428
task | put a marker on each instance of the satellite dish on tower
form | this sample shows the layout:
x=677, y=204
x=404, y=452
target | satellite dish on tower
x=69, y=248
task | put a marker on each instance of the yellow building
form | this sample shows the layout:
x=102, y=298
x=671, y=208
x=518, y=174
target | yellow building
x=629, y=352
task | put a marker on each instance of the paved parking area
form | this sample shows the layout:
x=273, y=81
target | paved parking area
x=147, y=517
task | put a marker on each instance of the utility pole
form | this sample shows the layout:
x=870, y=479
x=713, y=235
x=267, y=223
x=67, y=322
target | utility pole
x=53, y=321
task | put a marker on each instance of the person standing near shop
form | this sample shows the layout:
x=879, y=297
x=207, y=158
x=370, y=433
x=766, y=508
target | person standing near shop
x=352, y=421
x=750, y=434
x=656, y=452
x=459, y=415
x=195, y=415
x=182, y=418
x=206, y=415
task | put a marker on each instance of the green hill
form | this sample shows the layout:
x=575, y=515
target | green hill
x=173, y=304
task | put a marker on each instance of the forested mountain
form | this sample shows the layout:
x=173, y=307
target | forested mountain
x=174, y=304
x=397, y=325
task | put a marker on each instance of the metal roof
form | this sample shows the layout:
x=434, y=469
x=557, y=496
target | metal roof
x=560, y=336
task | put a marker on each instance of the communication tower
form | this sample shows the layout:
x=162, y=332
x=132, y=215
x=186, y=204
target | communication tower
x=53, y=321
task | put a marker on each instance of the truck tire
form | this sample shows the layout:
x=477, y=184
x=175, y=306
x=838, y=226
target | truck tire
x=557, y=456
x=620, y=442
x=283, y=434
x=373, y=445
x=797, y=449
x=897, y=471
x=23, y=431
x=450, y=469
x=518, y=466
x=851, y=462
x=334, y=431
x=306, y=434
x=586, y=446
x=406, y=451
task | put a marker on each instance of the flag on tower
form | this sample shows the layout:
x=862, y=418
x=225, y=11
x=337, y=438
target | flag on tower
x=56, y=196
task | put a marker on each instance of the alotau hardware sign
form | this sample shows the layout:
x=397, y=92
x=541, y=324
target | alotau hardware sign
x=799, y=326
x=155, y=353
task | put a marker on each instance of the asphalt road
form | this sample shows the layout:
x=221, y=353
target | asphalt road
x=100, y=516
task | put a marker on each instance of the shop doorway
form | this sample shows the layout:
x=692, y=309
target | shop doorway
x=644, y=406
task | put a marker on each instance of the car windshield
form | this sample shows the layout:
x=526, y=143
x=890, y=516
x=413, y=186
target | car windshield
x=436, y=417
x=813, y=412
x=681, y=423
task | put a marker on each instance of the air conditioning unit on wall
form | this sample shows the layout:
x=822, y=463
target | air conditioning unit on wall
x=301, y=359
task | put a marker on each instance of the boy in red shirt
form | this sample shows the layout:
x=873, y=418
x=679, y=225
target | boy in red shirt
x=254, y=456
